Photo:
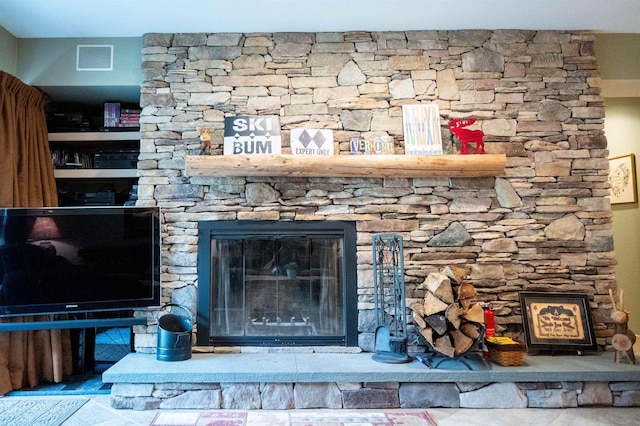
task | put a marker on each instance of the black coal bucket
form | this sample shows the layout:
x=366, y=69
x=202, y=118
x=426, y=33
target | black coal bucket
x=174, y=337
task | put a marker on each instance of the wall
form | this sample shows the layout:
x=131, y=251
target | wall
x=618, y=56
x=52, y=62
x=8, y=52
x=622, y=126
x=544, y=225
x=51, y=65
x=619, y=64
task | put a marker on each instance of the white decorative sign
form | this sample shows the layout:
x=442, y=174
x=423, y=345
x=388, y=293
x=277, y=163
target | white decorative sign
x=422, y=129
x=250, y=135
x=311, y=142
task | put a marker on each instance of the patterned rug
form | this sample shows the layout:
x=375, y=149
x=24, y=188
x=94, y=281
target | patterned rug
x=295, y=418
x=38, y=411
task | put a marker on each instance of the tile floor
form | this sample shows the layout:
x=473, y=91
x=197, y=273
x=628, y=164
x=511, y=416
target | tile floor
x=98, y=412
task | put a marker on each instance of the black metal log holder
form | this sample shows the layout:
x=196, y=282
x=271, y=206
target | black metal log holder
x=435, y=359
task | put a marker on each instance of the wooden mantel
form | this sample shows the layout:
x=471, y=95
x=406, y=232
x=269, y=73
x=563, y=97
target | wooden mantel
x=409, y=166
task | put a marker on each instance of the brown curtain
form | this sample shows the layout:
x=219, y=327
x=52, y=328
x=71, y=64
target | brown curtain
x=26, y=357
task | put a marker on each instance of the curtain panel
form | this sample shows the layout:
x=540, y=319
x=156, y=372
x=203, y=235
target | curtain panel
x=26, y=357
x=28, y=179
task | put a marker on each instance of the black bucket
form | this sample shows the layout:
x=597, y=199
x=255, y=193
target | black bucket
x=174, y=338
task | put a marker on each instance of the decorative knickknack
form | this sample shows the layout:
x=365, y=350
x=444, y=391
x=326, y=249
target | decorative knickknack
x=291, y=269
x=457, y=127
x=624, y=339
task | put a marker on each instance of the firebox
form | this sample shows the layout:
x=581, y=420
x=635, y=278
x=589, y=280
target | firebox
x=267, y=283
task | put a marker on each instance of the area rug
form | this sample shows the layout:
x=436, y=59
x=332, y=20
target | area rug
x=294, y=418
x=32, y=411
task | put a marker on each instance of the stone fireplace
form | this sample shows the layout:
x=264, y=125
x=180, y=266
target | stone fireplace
x=544, y=224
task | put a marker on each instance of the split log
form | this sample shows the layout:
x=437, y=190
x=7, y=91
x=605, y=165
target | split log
x=461, y=342
x=440, y=286
x=475, y=313
x=427, y=333
x=466, y=303
x=444, y=346
x=470, y=330
x=417, y=307
x=438, y=322
x=453, y=314
x=433, y=305
x=466, y=291
x=455, y=274
x=466, y=294
x=419, y=320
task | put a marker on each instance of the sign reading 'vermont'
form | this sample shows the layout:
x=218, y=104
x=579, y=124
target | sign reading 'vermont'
x=250, y=135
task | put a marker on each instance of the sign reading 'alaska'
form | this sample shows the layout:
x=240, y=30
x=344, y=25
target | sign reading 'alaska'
x=249, y=135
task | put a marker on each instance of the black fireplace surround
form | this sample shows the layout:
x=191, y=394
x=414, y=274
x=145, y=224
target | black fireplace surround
x=277, y=283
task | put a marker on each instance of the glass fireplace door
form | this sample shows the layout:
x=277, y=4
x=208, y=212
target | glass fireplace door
x=279, y=289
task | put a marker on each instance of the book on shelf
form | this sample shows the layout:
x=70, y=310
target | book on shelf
x=116, y=116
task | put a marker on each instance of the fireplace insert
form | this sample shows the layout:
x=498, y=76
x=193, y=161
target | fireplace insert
x=264, y=283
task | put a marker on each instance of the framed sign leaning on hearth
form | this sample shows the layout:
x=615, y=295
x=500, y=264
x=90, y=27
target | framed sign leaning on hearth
x=557, y=322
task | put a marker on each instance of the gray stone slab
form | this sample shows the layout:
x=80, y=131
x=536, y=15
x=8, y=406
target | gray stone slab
x=333, y=367
x=204, y=368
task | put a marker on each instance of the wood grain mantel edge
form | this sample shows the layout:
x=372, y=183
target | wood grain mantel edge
x=347, y=165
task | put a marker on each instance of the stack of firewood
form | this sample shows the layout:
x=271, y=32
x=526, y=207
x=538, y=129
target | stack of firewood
x=449, y=318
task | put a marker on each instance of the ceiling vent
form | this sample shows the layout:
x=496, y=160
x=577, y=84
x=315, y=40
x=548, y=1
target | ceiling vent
x=94, y=58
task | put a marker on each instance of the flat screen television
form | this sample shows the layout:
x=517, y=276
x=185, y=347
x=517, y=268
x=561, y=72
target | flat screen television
x=79, y=259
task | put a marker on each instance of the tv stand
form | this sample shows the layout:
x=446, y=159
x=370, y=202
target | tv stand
x=73, y=323
x=85, y=348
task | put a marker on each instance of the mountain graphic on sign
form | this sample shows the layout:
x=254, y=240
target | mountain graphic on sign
x=305, y=138
x=319, y=139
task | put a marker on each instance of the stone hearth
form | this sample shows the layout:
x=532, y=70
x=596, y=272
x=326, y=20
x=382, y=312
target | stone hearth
x=329, y=380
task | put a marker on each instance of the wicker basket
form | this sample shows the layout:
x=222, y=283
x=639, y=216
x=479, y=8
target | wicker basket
x=507, y=355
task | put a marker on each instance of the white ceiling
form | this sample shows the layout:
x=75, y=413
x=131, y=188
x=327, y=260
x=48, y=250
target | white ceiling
x=133, y=18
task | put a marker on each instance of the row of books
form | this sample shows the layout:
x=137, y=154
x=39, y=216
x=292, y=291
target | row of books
x=115, y=116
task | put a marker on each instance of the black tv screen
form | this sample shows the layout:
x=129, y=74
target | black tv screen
x=79, y=259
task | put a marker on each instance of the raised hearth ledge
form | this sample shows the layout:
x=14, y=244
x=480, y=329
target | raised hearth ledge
x=408, y=166
x=331, y=367
x=281, y=381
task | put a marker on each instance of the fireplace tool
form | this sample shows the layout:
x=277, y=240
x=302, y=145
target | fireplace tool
x=388, y=293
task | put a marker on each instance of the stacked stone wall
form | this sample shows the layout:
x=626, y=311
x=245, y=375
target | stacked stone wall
x=545, y=225
x=373, y=395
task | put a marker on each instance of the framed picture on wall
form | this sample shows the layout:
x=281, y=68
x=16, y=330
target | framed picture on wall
x=622, y=178
x=557, y=321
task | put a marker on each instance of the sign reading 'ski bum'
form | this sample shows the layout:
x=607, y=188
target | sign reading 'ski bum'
x=250, y=135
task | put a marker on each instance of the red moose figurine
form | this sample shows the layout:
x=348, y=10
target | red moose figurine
x=457, y=127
